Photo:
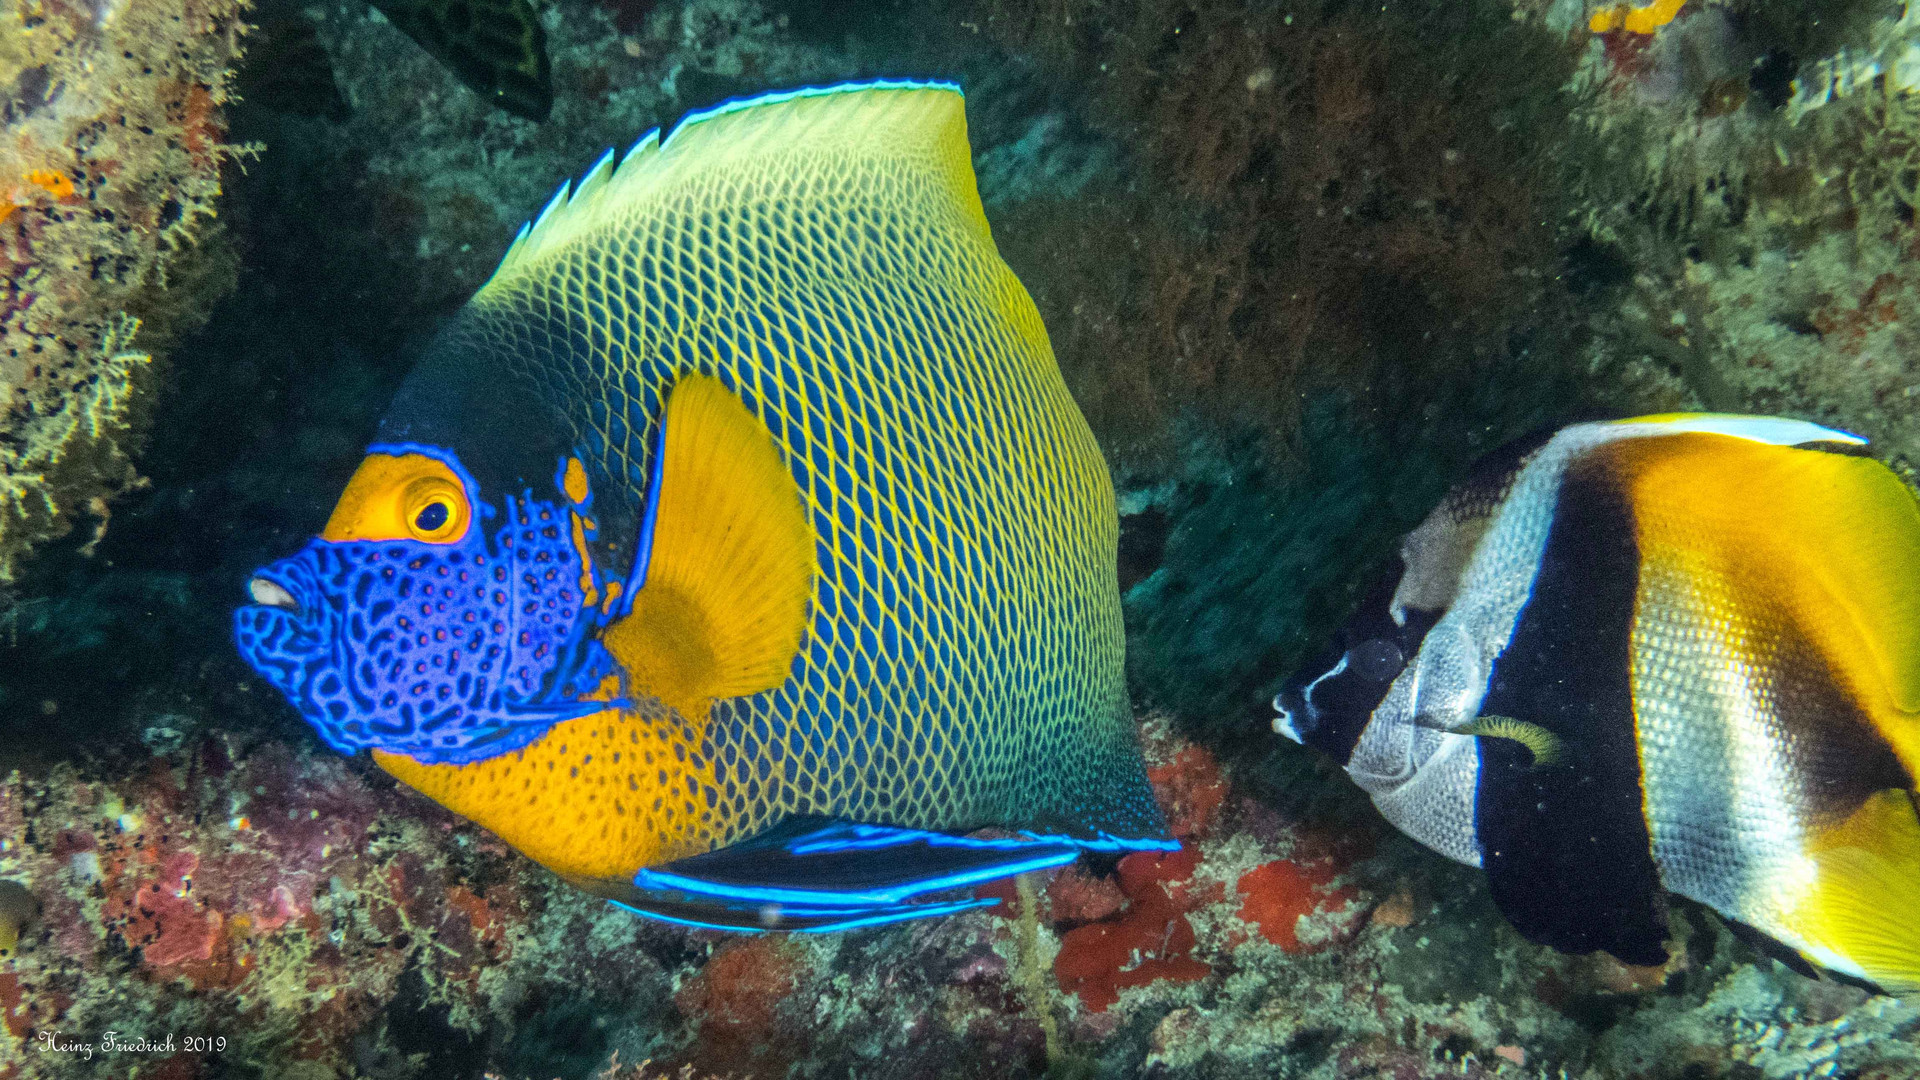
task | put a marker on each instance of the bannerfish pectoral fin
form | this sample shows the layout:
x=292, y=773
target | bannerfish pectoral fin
x=1772, y=948
x=822, y=874
x=1546, y=747
x=729, y=558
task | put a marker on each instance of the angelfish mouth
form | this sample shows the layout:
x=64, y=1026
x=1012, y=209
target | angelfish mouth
x=269, y=594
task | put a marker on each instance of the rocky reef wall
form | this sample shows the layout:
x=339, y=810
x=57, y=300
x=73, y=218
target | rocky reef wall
x=111, y=144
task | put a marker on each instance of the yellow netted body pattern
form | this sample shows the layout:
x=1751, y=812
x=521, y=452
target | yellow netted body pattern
x=824, y=256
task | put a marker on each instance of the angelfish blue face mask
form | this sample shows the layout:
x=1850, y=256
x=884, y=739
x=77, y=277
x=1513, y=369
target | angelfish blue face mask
x=425, y=621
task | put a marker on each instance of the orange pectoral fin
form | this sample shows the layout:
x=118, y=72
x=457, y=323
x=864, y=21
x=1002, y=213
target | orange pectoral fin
x=730, y=580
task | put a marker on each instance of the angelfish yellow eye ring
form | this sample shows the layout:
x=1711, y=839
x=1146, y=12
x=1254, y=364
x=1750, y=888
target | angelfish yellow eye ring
x=405, y=496
x=434, y=510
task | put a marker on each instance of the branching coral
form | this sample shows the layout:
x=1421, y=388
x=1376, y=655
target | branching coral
x=109, y=164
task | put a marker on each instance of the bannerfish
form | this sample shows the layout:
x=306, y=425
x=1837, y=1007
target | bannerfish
x=1670, y=655
x=737, y=552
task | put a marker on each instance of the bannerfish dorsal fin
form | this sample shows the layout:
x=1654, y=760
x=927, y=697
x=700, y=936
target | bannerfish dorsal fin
x=730, y=561
x=793, y=144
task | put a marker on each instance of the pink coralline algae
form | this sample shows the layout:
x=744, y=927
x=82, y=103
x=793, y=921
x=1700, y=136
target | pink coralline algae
x=162, y=919
x=276, y=900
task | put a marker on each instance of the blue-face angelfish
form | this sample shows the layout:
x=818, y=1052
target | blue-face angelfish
x=1675, y=654
x=737, y=552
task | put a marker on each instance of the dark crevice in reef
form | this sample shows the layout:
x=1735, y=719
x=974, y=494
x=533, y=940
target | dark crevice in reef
x=263, y=418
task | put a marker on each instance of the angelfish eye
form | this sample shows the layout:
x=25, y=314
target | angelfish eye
x=1376, y=660
x=433, y=510
x=432, y=516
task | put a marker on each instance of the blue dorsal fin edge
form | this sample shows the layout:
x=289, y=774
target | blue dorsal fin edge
x=813, y=874
x=651, y=138
x=603, y=162
x=777, y=96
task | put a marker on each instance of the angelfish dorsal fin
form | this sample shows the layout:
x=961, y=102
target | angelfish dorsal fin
x=730, y=569
x=904, y=143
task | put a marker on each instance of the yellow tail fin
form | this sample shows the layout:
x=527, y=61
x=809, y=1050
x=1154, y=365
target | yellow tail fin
x=1866, y=907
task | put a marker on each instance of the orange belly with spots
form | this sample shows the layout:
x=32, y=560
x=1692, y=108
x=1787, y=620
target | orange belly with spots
x=594, y=799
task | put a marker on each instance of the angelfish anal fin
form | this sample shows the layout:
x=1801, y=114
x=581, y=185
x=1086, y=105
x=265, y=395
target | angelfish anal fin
x=821, y=874
x=731, y=565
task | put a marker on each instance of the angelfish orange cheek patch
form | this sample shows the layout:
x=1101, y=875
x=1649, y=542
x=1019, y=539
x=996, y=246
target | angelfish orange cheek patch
x=406, y=496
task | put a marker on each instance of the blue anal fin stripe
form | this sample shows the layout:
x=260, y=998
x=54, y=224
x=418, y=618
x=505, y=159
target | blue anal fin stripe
x=793, y=919
x=817, y=874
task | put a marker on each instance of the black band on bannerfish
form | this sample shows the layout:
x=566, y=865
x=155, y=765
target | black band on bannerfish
x=1565, y=846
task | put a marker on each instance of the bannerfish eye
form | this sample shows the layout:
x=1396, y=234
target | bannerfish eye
x=432, y=516
x=1376, y=660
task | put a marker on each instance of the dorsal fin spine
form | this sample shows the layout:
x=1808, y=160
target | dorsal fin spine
x=559, y=200
x=640, y=145
x=596, y=177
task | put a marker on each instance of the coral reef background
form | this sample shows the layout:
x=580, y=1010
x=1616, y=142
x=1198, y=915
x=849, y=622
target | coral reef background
x=109, y=174
x=1301, y=263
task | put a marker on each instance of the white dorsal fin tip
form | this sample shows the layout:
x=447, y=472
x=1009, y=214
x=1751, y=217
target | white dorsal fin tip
x=564, y=218
x=1776, y=430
